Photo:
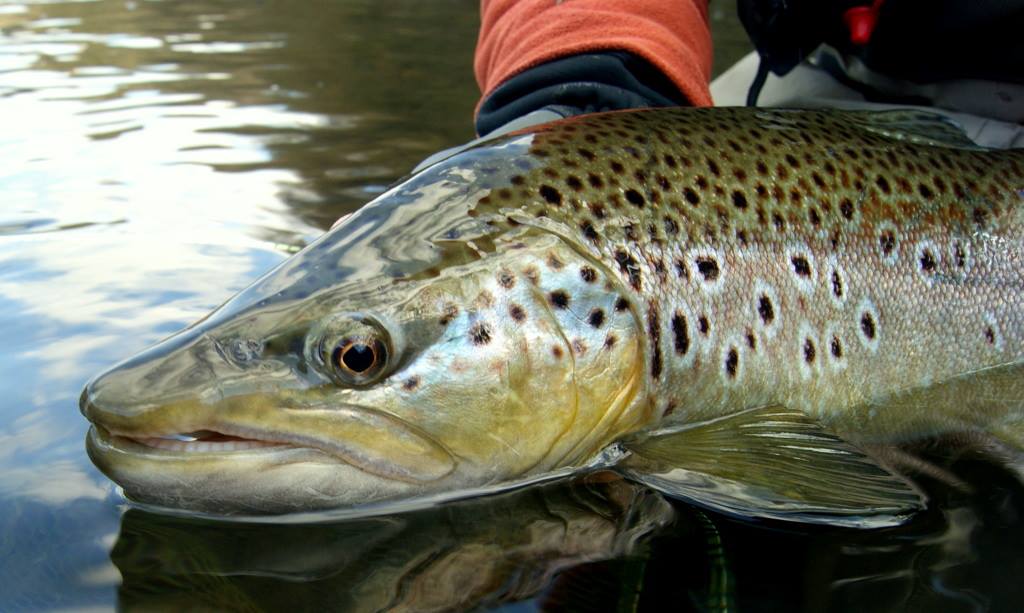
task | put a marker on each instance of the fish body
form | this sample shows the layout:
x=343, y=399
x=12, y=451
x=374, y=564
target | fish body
x=519, y=307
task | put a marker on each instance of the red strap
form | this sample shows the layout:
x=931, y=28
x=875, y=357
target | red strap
x=673, y=35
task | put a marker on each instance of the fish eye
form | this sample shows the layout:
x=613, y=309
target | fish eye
x=355, y=349
x=358, y=357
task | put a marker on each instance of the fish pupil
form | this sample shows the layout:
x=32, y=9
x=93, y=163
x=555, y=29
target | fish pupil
x=357, y=357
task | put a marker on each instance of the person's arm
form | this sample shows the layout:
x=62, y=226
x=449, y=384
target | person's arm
x=589, y=55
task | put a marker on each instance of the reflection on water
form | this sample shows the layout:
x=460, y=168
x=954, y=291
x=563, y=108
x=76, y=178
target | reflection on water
x=157, y=156
x=460, y=556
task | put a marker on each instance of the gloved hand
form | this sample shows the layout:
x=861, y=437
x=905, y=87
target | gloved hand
x=574, y=85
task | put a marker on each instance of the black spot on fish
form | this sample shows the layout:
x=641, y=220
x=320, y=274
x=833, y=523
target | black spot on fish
x=588, y=274
x=990, y=335
x=551, y=194
x=739, y=199
x=887, y=242
x=554, y=262
x=517, y=312
x=703, y=325
x=691, y=196
x=411, y=383
x=765, y=309
x=751, y=340
x=809, y=351
x=596, y=318
x=959, y=255
x=925, y=191
x=779, y=222
x=927, y=260
x=559, y=299
x=556, y=350
x=617, y=168
x=621, y=304
x=574, y=182
x=610, y=340
x=634, y=198
x=837, y=347
x=883, y=184
x=732, y=362
x=846, y=208
x=654, y=330
x=680, y=335
x=867, y=325
x=707, y=267
x=480, y=333
x=837, y=284
x=588, y=231
x=801, y=266
x=595, y=180
x=682, y=269
x=506, y=279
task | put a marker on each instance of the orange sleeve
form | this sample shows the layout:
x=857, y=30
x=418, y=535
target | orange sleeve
x=673, y=35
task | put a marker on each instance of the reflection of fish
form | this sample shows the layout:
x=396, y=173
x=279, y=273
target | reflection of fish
x=461, y=556
x=785, y=279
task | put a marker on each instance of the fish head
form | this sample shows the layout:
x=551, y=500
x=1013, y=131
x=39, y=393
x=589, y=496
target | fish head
x=350, y=375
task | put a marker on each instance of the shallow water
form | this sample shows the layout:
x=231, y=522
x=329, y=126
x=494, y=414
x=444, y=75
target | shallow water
x=155, y=157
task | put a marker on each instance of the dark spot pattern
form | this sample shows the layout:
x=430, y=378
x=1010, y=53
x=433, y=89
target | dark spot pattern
x=990, y=335
x=867, y=325
x=517, y=312
x=680, y=334
x=927, y=260
x=411, y=383
x=707, y=267
x=596, y=317
x=809, y=351
x=480, y=333
x=801, y=266
x=704, y=325
x=551, y=194
x=559, y=299
x=765, y=309
x=837, y=284
x=837, y=347
x=588, y=274
x=654, y=331
x=887, y=242
x=732, y=362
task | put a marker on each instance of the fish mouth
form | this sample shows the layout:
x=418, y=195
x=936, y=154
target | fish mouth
x=201, y=441
x=211, y=436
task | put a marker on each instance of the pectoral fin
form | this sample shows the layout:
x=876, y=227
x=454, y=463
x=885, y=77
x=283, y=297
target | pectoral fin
x=773, y=463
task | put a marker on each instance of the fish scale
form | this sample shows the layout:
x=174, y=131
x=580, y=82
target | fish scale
x=887, y=262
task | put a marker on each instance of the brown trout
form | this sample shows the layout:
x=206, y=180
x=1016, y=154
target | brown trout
x=728, y=305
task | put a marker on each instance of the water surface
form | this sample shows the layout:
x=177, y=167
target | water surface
x=155, y=157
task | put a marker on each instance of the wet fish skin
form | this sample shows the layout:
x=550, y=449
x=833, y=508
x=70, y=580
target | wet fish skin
x=820, y=260
x=595, y=277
